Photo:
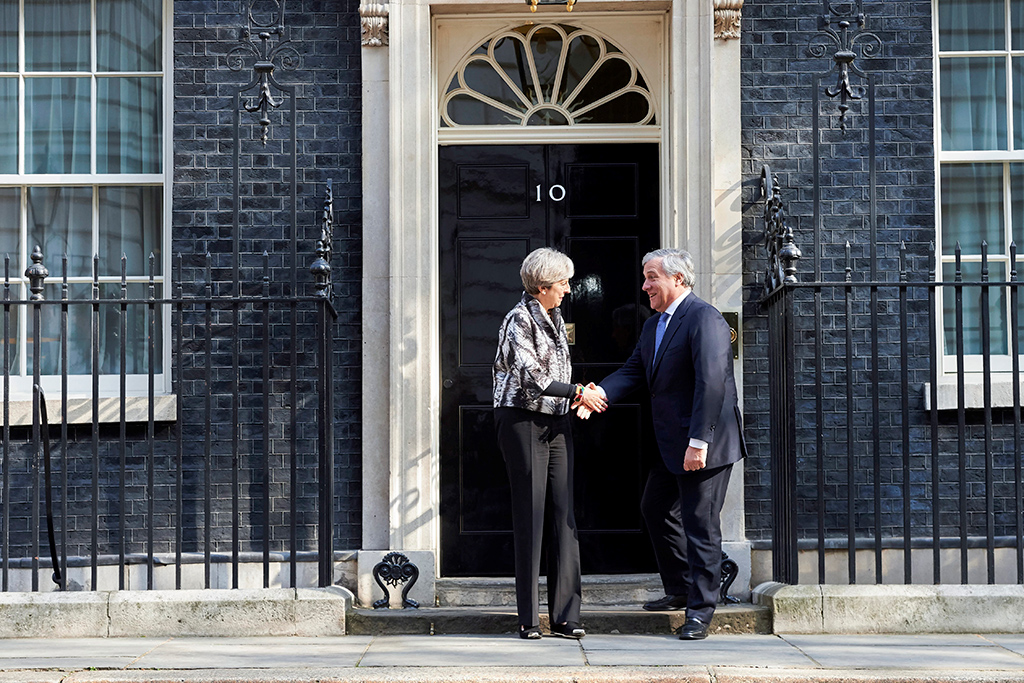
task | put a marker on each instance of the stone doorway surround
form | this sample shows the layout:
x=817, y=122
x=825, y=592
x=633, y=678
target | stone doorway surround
x=400, y=336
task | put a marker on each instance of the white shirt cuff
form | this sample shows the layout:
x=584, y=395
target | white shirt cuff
x=698, y=444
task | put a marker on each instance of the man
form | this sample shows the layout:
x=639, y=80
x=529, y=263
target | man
x=684, y=360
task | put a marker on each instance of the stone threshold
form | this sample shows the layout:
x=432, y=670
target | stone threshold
x=738, y=618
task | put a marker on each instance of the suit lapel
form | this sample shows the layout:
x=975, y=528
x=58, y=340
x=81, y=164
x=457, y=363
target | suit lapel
x=674, y=323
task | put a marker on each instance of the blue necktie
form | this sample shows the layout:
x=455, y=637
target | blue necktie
x=660, y=332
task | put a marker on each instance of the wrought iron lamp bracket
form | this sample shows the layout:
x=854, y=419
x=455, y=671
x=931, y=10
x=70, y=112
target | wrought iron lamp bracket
x=847, y=36
x=256, y=41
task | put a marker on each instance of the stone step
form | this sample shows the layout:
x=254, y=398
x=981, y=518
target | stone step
x=738, y=618
x=606, y=590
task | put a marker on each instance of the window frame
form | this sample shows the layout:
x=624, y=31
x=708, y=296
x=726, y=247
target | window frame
x=973, y=363
x=80, y=385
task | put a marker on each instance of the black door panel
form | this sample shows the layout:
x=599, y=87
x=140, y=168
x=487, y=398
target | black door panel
x=599, y=204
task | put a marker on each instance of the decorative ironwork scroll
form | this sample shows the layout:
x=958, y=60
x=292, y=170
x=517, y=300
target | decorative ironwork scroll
x=730, y=570
x=321, y=267
x=728, y=14
x=778, y=236
x=394, y=569
x=843, y=28
x=373, y=21
x=265, y=54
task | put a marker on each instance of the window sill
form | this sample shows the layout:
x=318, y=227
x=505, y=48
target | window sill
x=974, y=393
x=165, y=409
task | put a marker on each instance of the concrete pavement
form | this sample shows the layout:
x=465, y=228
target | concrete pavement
x=500, y=658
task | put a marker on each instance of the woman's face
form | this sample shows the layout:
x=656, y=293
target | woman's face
x=551, y=297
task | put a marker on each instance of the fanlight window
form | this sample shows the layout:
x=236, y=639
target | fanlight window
x=547, y=75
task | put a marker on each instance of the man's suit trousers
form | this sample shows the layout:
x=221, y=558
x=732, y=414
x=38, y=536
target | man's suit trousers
x=538, y=454
x=683, y=516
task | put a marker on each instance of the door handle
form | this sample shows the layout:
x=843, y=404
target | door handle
x=448, y=384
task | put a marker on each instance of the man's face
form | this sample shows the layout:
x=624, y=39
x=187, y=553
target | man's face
x=661, y=288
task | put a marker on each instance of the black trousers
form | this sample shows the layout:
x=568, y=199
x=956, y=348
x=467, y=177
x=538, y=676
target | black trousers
x=683, y=513
x=538, y=454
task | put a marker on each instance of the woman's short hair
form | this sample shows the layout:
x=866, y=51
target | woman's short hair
x=673, y=262
x=544, y=267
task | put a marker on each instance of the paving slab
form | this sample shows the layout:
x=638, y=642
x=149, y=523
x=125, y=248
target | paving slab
x=749, y=650
x=741, y=675
x=245, y=653
x=483, y=651
x=1012, y=642
x=32, y=676
x=66, y=663
x=877, y=655
x=103, y=647
x=889, y=641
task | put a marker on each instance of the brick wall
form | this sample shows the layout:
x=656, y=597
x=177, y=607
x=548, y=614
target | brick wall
x=326, y=78
x=779, y=78
x=325, y=37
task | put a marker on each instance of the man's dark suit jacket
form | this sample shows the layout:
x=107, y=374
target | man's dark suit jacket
x=691, y=384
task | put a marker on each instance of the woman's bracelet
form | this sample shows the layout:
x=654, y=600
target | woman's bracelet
x=579, y=392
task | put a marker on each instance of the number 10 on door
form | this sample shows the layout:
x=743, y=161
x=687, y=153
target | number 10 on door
x=555, y=192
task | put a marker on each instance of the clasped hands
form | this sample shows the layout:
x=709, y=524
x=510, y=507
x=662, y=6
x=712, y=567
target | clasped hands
x=592, y=400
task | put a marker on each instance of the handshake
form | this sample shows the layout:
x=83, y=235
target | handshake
x=589, y=399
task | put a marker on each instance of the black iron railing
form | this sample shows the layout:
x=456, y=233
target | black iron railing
x=241, y=466
x=887, y=432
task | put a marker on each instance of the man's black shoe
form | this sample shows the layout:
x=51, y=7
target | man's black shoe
x=669, y=603
x=694, y=629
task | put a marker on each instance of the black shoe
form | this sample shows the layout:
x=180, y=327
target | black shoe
x=568, y=630
x=669, y=603
x=529, y=632
x=694, y=629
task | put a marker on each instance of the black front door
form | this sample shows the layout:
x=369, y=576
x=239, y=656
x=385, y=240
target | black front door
x=599, y=204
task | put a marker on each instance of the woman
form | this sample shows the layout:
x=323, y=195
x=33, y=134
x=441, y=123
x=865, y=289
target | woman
x=532, y=397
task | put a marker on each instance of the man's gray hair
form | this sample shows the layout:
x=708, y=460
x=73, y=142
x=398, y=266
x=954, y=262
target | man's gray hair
x=673, y=262
x=544, y=267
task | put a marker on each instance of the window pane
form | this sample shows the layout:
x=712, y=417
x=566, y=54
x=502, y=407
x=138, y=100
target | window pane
x=128, y=35
x=631, y=107
x=8, y=125
x=547, y=50
x=130, y=225
x=1017, y=205
x=466, y=110
x=611, y=76
x=1017, y=24
x=1018, y=102
x=10, y=333
x=973, y=107
x=10, y=212
x=972, y=25
x=78, y=332
x=129, y=125
x=57, y=125
x=972, y=309
x=57, y=35
x=972, y=207
x=60, y=221
x=137, y=339
x=584, y=52
x=8, y=35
